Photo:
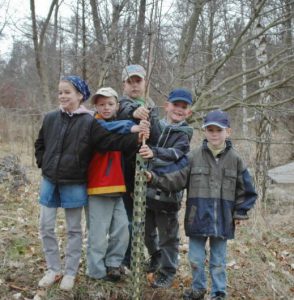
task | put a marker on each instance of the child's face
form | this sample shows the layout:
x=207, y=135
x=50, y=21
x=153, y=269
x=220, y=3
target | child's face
x=134, y=87
x=216, y=136
x=107, y=107
x=69, y=98
x=177, y=111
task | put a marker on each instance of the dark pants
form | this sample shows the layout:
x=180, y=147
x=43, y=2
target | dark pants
x=162, y=233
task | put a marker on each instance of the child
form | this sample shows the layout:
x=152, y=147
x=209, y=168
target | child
x=133, y=106
x=63, y=151
x=220, y=191
x=173, y=137
x=106, y=211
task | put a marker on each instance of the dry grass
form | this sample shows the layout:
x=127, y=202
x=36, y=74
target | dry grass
x=260, y=262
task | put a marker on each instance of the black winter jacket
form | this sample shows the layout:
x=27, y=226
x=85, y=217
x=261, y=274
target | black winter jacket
x=66, y=143
x=172, y=143
x=127, y=106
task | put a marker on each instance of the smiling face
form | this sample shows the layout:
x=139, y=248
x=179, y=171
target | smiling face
x=216, y=136
x=107, y=107
x=68, y=96
x=177, y=111
x=134, y=87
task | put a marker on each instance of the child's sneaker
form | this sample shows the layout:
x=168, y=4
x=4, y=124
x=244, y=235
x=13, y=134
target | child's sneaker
x=124, y=270
x=49, y=279
x=114, y=273
x=219, y=296
x=67, y=283
x=162, y=281
x=190, y=294
x=154, y=263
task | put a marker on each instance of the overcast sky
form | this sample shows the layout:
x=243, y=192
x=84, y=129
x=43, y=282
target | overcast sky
x=16, y=12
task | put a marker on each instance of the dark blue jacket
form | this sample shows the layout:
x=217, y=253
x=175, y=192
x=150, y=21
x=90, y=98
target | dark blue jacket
x=171, y=142
x=218, y=190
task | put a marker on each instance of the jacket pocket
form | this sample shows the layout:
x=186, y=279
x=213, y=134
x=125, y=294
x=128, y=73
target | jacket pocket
x=230, y=178
x=229, y=184
x=200, y=177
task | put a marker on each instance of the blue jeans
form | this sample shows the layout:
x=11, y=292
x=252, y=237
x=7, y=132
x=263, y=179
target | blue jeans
x=50, y=243
x=217, y=263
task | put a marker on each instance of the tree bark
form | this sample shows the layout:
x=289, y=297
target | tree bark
x=110, y=47
x=96, y=22
x=263, y=128
x=138, y=44
x=38, y=41
x=187, y=37
x=84, y=39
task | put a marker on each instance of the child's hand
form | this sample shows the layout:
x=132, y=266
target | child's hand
x=145, y=151
x=148, y=176
x=135, y=128
x=141, y=113
x=144, y=126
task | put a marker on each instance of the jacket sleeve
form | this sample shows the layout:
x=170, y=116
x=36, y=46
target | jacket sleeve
x=39, y=148
x=245, y=193
x=126, y=109
x=180, y=148
x=122, y=126
x=172, y=177
x=104, y=140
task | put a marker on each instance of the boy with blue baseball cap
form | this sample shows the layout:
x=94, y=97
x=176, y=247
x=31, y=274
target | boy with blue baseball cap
x=169, y=141
x=220, y=192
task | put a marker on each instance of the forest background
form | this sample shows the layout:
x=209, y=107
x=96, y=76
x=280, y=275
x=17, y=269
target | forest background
x=236, y=55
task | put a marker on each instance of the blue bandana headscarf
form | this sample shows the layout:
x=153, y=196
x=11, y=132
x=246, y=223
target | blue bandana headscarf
x=79, y=84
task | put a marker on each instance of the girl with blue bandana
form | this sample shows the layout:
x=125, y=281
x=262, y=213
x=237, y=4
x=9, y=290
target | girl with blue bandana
x=67, y=139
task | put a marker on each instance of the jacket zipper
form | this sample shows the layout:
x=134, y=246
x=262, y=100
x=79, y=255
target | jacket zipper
x=63, y=131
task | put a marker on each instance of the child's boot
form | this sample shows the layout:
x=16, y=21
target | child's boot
x=49, y=279
x=190, y=294
x=219, y=296
x=154, y=263
x=67, y=283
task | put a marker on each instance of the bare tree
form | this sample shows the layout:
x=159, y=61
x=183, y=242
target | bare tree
x=263, y=129
x=138, y=44
x=96, y=22
x=110, y=48
x=187, y=37
x=38, y=40
x=4, y=7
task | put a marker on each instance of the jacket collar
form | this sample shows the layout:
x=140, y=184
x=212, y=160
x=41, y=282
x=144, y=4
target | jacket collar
x=228, y=142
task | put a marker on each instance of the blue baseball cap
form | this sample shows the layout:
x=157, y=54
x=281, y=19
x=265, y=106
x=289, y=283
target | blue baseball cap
x=180, y=94
x=218, y=118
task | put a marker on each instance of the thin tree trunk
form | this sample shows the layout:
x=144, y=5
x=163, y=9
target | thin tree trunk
x=96, y=22
x=138, y=44
x=209, y=49
x=38, y=41
x=84, y=60
x=263, y=129
x=187, y=37
x=244, y=79
x=111, y=45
